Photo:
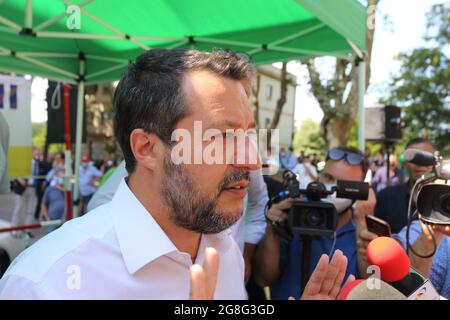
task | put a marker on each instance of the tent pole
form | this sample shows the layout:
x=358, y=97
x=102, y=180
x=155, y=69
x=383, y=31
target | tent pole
x=361, y=115
x=78, y=140
x=29, y=14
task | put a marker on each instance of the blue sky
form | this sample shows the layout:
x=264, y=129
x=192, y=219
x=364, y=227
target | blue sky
x=402, y=31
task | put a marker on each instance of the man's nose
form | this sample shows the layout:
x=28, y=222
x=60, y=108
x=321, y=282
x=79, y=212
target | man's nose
x=247, y=155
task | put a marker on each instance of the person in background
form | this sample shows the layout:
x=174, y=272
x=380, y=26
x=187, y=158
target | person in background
x=53, y=201
x=305, y=172
x=437, y=267
x=380, y=182
x=288, y=160
x=26, y=196
x=392, y=202
x=58, y=164
x=314, y=160
x=89, y=181
x=40, y=169
x=278, y=262
x=4, y=144
x=18, y=187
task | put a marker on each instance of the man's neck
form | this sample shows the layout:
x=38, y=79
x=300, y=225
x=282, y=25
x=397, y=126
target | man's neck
x=184, y=240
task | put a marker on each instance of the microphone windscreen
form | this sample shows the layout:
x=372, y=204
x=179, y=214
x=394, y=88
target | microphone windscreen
x=389, y=256
x=347, y=288
x=385, y=292
x=419, y=157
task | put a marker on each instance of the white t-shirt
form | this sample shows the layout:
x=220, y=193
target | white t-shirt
x=303, y=176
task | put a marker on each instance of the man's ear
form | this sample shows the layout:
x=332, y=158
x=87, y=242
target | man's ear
x=144, y=146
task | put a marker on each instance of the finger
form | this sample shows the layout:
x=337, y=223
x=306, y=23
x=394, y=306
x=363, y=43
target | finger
x=277, y=215
x=366, y=235
x=317, y=277
x=198, y=283
x=332, y=272
x=340, y=277
x=350, y=278
x=283, y=205
x=211, y=269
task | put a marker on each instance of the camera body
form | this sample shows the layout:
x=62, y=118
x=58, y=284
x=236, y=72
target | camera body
x=310, y=214
x=433, y=195
x=315, y=218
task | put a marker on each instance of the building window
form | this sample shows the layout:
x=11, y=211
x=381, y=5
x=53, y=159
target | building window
x=267, y=122
x=269, y=91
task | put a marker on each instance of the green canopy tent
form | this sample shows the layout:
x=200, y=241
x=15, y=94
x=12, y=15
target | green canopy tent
x=92, y=41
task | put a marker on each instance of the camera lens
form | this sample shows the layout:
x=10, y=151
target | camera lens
x=445, y=204
x=314, y=218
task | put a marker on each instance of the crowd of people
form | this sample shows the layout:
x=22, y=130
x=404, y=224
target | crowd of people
x=43, y=195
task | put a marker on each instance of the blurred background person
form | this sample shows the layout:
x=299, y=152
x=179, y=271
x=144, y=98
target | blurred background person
x=306, y=172
x=392, y=202
x=89, y=181
x=58, y=163
x=53, y=201
x=4, y=144
x=278, y=262
x=288, y=159
x=380, y=181
x=40, y=169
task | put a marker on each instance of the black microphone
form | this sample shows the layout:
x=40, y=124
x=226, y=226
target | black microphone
x=419, y=157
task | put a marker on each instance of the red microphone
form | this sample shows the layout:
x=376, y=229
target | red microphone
x=390, y=257
x=395, y=269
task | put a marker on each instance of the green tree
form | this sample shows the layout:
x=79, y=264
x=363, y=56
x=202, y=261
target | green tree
x=422, y=85
x=308, y=138
x=39, y=134
x=39, y=130
x=337, y=93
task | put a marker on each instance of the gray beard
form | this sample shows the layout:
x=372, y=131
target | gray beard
x=188, y=208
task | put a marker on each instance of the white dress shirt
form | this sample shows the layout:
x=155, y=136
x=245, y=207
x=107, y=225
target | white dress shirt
x=117, y=251
x=303, y=176
x=248, y=229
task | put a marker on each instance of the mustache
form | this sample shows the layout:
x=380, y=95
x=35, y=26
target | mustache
x=233, y=177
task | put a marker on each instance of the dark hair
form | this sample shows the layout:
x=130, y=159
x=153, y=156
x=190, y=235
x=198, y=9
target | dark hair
x=414, y=141
x=149, y=94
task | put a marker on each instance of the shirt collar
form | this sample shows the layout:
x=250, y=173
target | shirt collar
x=140, y=237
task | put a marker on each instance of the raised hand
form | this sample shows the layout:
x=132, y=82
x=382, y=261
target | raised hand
x=204, y=279
x=325, y=282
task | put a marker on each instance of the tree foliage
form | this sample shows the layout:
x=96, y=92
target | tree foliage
x=309, y=139
x=422, y=86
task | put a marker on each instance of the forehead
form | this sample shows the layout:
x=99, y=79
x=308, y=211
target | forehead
x=216, y=99
x=341, y=170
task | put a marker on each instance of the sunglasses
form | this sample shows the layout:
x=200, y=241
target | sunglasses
x=352, y=158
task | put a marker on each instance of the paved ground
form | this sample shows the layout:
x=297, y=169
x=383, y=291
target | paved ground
x=7, y=203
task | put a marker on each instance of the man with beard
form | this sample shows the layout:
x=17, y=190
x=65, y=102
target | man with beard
x=166, y=219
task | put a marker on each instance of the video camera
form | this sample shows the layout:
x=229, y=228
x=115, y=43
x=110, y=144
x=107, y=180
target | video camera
x=309, y=214
x=432, y=193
